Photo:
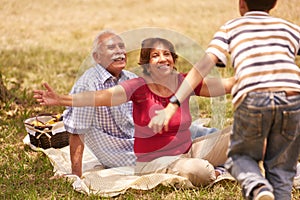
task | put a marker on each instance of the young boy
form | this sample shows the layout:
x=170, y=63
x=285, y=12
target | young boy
x=266, y=98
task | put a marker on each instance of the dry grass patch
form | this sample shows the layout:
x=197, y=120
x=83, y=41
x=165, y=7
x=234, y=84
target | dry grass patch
x=48, y=40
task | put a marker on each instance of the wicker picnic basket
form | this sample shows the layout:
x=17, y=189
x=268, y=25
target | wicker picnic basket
x=46, y=131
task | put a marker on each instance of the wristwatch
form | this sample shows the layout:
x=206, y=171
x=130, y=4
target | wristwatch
x=174, y=100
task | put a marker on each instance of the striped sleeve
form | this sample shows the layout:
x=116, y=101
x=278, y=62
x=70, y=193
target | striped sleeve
x=219, y=46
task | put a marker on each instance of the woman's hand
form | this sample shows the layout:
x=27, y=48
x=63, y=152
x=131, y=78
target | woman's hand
x=162, y=118
x=47, y=97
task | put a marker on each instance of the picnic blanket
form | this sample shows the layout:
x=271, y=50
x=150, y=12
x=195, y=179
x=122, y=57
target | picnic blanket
x=114, y=181
x=105, y=182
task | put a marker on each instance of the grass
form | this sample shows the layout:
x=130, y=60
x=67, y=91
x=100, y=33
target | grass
x=48, y=41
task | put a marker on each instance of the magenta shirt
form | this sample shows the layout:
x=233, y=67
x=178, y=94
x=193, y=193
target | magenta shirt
x=148, y=145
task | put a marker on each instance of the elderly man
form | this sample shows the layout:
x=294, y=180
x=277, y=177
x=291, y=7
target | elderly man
x=107, y=131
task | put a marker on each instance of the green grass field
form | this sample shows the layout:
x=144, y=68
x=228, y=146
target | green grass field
x=48, y=40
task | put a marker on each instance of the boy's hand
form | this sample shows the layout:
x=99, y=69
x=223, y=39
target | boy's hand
x=162, y=118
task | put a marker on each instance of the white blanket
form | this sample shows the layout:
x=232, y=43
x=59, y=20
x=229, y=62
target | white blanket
x=105, y=182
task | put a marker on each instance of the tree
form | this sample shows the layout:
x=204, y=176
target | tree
x=4, y=92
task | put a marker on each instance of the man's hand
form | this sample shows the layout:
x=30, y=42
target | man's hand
x=46, y=97
x=162, y=118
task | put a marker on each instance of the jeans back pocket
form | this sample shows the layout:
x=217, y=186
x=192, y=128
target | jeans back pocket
x=290, y=124
x=248, y=125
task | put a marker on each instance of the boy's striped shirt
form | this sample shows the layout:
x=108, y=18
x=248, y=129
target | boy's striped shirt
x=262, y=49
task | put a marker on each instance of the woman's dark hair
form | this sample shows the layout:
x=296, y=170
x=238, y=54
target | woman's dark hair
x=148, y=45
x=260, y=5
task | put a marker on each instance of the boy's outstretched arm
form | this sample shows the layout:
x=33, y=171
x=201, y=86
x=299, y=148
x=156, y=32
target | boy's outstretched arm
x=194, y=77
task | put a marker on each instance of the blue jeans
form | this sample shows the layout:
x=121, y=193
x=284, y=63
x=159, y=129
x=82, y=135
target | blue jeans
x=199, y=131
x=266, y=128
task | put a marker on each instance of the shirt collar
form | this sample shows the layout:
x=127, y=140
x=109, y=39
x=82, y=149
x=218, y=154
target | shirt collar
x=256, y=13
x=105, y=76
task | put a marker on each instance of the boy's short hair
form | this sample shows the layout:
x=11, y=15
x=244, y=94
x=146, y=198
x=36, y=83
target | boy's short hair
x=260, y=5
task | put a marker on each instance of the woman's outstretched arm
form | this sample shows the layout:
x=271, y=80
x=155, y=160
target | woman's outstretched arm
x=109, y=97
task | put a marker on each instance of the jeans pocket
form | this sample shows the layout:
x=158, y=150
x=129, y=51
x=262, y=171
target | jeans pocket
x=290, y=124
x=248, y=125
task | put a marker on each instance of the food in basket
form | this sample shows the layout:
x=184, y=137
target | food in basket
x=54, y=119
x=47, y=131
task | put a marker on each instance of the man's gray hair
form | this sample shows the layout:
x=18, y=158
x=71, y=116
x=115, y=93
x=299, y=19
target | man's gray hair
x=97, y=44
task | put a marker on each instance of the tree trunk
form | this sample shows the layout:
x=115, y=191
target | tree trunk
x=4, y=92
